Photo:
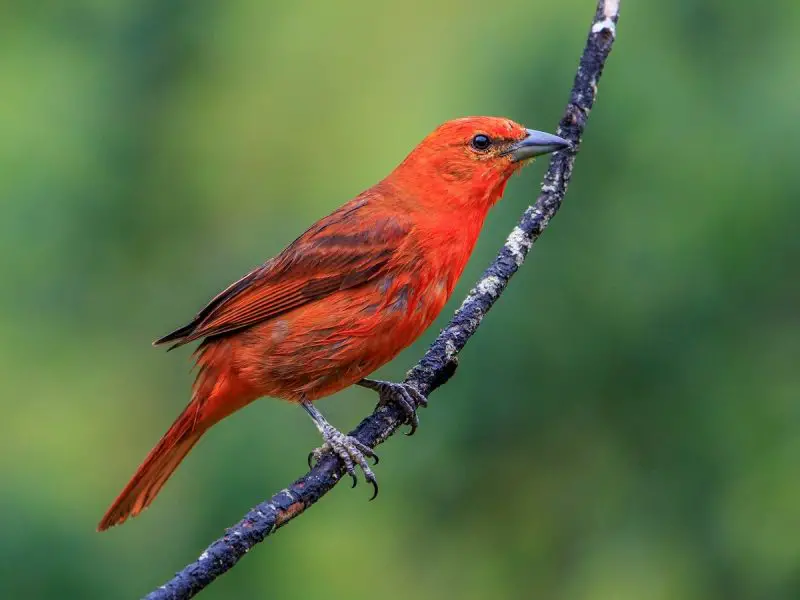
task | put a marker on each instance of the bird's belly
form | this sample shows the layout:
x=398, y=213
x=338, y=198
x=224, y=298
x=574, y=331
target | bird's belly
x=323, y=347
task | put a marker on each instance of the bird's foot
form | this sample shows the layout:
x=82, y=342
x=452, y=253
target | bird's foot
x=406, y=397
x=350, y=451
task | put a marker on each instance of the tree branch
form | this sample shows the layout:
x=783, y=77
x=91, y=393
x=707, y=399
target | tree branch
x=439, y=362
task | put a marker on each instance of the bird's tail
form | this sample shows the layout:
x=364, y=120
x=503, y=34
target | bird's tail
x=162, y=461
x=218, y=392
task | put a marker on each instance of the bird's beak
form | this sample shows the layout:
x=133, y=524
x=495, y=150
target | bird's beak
x=534, y=144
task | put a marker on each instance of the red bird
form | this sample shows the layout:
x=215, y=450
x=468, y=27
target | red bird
x=345, y=297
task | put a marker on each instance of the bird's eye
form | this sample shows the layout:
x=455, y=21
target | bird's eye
x=481, y=142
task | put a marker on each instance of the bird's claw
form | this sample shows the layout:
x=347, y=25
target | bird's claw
x=402, y=394
x=351, y=452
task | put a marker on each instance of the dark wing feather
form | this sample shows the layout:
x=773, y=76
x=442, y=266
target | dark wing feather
x=344, y=250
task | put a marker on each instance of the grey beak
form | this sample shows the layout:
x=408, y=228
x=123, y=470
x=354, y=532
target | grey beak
x=535, y=144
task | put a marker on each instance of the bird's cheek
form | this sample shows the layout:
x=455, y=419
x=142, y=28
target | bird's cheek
x=456, y=171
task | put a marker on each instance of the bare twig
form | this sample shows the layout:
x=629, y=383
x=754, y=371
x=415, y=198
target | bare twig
x=439, y=362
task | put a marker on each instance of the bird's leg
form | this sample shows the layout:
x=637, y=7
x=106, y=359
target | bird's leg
x=347, y=448
x=402, y=394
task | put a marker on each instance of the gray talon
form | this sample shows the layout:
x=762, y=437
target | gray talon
x=349, y=450
x=402, y=394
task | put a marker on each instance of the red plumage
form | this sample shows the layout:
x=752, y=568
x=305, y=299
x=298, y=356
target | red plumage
x=344, y=298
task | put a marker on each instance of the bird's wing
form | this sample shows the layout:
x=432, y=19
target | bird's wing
x=344, y=250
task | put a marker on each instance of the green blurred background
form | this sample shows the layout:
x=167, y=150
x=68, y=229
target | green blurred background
x=625, y=425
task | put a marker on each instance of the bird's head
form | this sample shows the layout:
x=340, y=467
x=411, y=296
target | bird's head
x=467, y=162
